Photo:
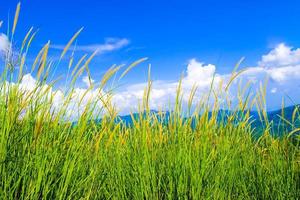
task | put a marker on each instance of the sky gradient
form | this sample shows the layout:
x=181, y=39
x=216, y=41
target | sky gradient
x=177, y=36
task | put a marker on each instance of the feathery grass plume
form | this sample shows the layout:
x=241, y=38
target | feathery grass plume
x=233, y=77
x=70, y=65
x=147, y=91
x=178, y=98
x=296, y=113
x=234, y=73
x=89, y=75
x=84, y=67
x=43, y=61
x=39, y=56
x=78, y=64
x=282, y=108
x=107, y=76
x=25, y=39
x=21, y=68
x=87, y=62
x=132, y=66
x=30, y=41
x=16, y=17
x=78, y=74
x=70, y=43
x=191, y=98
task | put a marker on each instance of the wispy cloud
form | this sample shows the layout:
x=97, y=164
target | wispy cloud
x=110, y=44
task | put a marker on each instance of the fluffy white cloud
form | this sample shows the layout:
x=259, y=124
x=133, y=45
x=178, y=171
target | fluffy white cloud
x=80, y=97
x=28, y=83
x=163, y=93
x=281, y=56
x=282, y=63
x=198, y=73
x=4, y=43
x=285, y=74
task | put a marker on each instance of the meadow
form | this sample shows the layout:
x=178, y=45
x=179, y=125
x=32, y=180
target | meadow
x=43, y=155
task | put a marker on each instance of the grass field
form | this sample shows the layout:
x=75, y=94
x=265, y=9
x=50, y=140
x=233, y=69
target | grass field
x=43, y=155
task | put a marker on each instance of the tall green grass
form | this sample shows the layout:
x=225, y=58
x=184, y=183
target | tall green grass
x=45, y=156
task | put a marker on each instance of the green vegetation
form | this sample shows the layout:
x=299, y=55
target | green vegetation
x=45, y=156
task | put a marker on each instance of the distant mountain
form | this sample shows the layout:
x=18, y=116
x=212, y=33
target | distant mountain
x=128, y=119
x=278, y=122
x=275, y=116
x=288, y=112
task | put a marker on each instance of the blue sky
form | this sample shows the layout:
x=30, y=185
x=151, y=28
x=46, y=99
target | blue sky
x=170, y=33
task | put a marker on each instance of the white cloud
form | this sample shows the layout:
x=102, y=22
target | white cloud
x=282, y=64
x=111, y=44
x=4, y=43
x=198, y=73
x=163, y=93
x=285, y=74
x=281, y=56
x=80, y=97
x=28, y=83
x=6, y=50
x=87, y=81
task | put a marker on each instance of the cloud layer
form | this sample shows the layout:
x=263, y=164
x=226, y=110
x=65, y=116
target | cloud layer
x=281, y=66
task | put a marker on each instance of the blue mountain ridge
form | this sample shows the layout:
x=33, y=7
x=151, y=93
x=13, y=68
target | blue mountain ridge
x=278, y=123
x=275, y=116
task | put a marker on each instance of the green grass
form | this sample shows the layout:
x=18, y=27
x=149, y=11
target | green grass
x=44, y=156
